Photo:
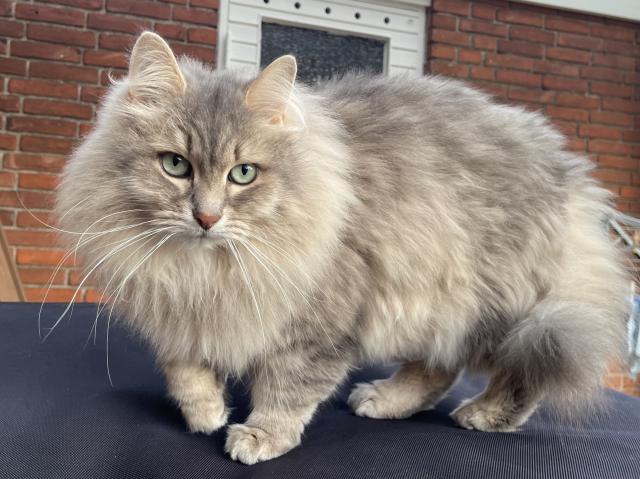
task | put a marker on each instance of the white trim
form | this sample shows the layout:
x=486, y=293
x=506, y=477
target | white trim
x=400, y=23
x=625, y=9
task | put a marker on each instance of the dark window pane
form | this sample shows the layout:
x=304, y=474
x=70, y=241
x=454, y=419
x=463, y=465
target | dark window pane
x=320, y=54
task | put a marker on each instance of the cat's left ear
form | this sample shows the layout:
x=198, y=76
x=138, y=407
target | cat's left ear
x=153, y=70
x=271, y=94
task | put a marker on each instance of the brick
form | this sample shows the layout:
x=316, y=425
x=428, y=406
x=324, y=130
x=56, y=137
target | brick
x=611, y=89
x=85, y=129
x=624, y=48
x=564, y=24
x=31, y=238
x=8, y=142
x=520, y=17
x=579, y=42
x=557, y=68
x=614, y=61
x=197, y=15
x=5, y=8
x=469, y=56
x=487, y=28
x=440, y=67
x=116, y=41
x=38, y=219
x=31, y=199
x=45, y=51
x=53, y=295
x=66, y=36
x=532, y=96
x=171, y=31
x=9, y=28
x=43, y=88
x=92, y=94
x=208, y=36
x=618, y=105
x=532, y=35
x=508, y=61
x=7, y=179
x=115, y=23
x=58, y=108
x=577, y=101
x=140, y=8
x=93, y=296
x=631, y=136
x=9, y=103
x=618, y=162
x=41, y=125
x=7, y=217
x=573, y=114
x=108, y=77
x=612, y=176
x=596, y=131
x=611, y=118
x=445, y=22
x=107, y=59
x=205, y=3
x=602, y=146
x=566, y=128
x=550, y=82
x=632, y=78
x=483, y=73
x=42, y=13
x=41, y=275
x=204, y=54
x=445, y=52
x=485, y=43
x=613, y=32
x=451, y=38
x=38, y=181
x=45, y=144
x=520, y=48
x=63, y=72
x=20, y=161
x=13, y=66
x=452, y=6
x=85, y=4
x=602, y=73
x=568, y=55
x=493, y=89
x=487, y=12
x=518, y=78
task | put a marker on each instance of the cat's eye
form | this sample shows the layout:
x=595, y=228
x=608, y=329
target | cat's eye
x=243, y=174
x=175, y=165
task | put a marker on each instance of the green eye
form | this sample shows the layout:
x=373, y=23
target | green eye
x=243, y=174
x=174, y=165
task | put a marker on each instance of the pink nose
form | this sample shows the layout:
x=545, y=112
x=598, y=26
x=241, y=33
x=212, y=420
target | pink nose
x=205, y=220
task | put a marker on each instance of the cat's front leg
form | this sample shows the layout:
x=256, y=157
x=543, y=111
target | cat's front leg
x=285, y=394
x=199, y=394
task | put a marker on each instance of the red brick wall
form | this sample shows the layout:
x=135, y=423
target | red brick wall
x=581, y=70
x=55, y=60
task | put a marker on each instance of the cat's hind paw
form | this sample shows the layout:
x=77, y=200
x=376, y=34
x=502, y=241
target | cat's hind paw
x=376, y=402
x=476, y=415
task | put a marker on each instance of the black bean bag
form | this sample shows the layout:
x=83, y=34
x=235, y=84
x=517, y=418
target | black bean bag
x=60, y=418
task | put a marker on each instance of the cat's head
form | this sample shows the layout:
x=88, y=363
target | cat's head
x=207, y=157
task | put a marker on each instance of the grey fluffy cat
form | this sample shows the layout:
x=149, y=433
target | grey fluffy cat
x=258, y=228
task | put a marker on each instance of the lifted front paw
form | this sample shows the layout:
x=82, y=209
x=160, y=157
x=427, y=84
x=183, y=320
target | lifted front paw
x=205, y=417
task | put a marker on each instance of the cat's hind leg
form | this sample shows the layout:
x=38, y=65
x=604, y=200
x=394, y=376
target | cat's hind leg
x=413, y=388
x=199, y=394
x=558, y=353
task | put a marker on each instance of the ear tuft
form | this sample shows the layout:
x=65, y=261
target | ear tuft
x=270, y=95
x=153, y=70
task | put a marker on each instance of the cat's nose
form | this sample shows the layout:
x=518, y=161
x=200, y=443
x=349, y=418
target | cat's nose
x=205, y=220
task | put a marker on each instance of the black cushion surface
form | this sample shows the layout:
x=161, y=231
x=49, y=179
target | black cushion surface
x=60, y=418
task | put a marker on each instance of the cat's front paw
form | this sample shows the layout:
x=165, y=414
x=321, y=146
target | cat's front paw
x=474, y=414
x=205, y=417
x=249, y=444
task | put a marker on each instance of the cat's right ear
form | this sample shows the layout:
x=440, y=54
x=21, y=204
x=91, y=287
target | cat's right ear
x=153, y=70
